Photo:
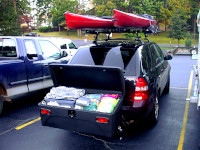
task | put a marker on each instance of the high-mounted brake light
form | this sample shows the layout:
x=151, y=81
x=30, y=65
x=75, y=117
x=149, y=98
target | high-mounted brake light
x=102, y=120
x=141, y=90
x=45, y=111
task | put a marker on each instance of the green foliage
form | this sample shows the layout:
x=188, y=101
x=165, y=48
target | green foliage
x=188, y=40
x=178, y=26
x=23, y=7
x=43, y=8
x=151, y=7
x=128, y=35
x=104, y=7
x=162, y=10
x=10, y=10
x=60, y=7
x=169, y=8
x=45, y=29
x=131, y=35
x=54, y=22
x=194, y=6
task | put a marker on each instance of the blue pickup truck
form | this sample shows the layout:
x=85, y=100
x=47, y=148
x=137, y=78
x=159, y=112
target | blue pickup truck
x=24, y=65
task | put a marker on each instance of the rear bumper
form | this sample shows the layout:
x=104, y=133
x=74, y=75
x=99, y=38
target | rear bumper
x=79, y=120
x=139, y=110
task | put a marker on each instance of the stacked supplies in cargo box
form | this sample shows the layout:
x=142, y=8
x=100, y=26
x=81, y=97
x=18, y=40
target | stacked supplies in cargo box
x=63, y=96
x=77, y=99
x=97, y=102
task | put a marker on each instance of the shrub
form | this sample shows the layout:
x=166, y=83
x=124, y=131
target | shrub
x=131, y=35
x=188, y=40
x=45, y=29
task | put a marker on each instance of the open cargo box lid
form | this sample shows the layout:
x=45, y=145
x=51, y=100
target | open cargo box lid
x=88, y=77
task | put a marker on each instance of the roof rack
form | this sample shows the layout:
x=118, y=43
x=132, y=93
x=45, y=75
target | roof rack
x=118, y=30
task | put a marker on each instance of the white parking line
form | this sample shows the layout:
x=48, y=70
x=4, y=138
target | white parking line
x=179, y=88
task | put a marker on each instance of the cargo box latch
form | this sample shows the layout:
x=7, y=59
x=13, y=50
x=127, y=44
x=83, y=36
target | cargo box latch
x=71, y=113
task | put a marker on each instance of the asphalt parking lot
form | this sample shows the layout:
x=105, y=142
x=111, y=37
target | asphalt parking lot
x=178, y=126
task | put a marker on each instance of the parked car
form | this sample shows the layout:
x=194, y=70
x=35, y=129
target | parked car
x=24, y=65
x=186, y=50
x=194, y=50
x=34, y=34
x=136, y=69
x=65, y=45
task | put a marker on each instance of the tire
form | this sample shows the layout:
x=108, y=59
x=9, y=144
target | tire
x=167, y=86
x=194, y=52
x=154, y=115
x=2, y=92
x=1, y=105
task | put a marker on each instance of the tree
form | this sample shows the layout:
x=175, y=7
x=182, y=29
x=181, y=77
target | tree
x=194, y=6
x=9, y=18
x=151, y=7
x=169, y=8
x=43, y=8
x=178, y=26
x=60, y=7
x=121, y=5
x=22, y=6
x=104, y=7
x=188, y=40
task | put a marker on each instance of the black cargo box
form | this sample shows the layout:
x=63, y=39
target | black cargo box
x=94, y=80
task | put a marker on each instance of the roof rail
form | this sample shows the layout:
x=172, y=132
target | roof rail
x=116, y=30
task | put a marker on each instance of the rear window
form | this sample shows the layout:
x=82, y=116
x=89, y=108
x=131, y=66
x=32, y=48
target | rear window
x=7, y=48
x=115, y=57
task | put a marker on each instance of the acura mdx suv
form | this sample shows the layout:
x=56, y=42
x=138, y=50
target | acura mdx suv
x=134, y=70
x=145, y=68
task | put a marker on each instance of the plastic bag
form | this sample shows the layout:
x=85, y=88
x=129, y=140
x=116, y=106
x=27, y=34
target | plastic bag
x=63, y=92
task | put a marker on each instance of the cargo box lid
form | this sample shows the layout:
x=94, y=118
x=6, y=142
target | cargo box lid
x=88, y=77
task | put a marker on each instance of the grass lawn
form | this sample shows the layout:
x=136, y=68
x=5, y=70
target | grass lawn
x=166, y=48
x=160, y=38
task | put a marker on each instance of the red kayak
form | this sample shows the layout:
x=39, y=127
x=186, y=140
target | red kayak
x=75, y=21
x=128, y=20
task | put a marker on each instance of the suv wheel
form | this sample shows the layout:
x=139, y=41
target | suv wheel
x=1, y=105
x=153, y=118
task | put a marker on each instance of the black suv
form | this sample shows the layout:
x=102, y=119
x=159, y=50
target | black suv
x=146, y=73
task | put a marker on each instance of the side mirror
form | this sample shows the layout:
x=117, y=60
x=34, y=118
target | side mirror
x=168, y=57
x=32, y=56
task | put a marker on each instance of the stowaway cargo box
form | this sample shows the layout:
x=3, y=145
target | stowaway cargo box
x=94, y=80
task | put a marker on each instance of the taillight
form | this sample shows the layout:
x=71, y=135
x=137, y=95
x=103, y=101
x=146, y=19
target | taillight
x=102, y=120
x=141, y=90
x=45, y=111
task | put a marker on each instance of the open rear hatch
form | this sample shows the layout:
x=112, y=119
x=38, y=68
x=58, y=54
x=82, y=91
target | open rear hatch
x=94, y=80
